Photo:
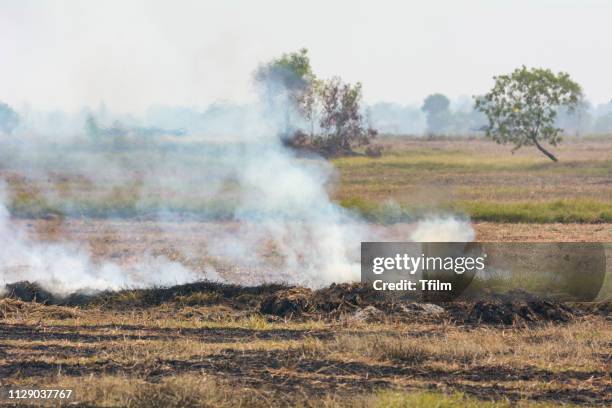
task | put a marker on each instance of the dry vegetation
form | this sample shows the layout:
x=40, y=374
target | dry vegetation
x=174, y=355
x=482, y=180
x=192, y=349
x=414, y=177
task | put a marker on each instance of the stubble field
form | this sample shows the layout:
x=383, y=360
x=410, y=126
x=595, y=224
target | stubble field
x=221, y=347
x=189, y=347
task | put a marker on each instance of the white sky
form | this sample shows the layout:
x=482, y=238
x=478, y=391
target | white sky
x=131, y=54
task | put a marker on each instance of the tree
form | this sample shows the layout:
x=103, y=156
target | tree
x=309, y=105
x=9, y=119
x=437, y=109
x=521, y=108
x=330, y=108
x=341, y=118
x=286, y=82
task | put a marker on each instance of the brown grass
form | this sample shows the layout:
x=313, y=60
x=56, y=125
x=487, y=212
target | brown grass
x=471, y=176
x=194, y=352
x=483, y=180
x=162, y=356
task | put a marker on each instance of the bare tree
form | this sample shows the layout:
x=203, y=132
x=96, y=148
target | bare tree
x=341, y=118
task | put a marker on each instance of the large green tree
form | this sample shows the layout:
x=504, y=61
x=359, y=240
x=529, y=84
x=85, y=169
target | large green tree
x=522, y=106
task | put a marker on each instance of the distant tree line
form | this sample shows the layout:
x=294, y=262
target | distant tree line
x=527, y=107
x=460, y=118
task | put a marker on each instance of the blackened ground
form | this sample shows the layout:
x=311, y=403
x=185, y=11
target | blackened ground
x=334, y=302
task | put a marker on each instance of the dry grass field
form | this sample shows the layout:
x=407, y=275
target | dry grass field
x=482, y=180
x=218, y=348
x=206, y=349
x=414, y=177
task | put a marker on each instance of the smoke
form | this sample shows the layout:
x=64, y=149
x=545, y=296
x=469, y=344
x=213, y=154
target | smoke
x=395, y=119
x=226, y=169
x=284, y=206
x=443, y=229
x=67, y=267
x=279, y=203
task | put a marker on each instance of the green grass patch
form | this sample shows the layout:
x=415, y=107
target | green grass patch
x=386, y=211
x=118, y=206
x=403, y=399
x=562, y=211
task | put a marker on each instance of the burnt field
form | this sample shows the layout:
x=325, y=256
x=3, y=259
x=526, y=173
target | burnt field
x=268, y=343
x=208, y=344
x=343, y=204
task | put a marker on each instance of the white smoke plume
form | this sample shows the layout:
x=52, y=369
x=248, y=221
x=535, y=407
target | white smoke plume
x=64, y=268
x=443, y=229
x=279, y=203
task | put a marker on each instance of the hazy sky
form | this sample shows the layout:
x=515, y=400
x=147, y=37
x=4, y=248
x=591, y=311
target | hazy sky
x=131, y=54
